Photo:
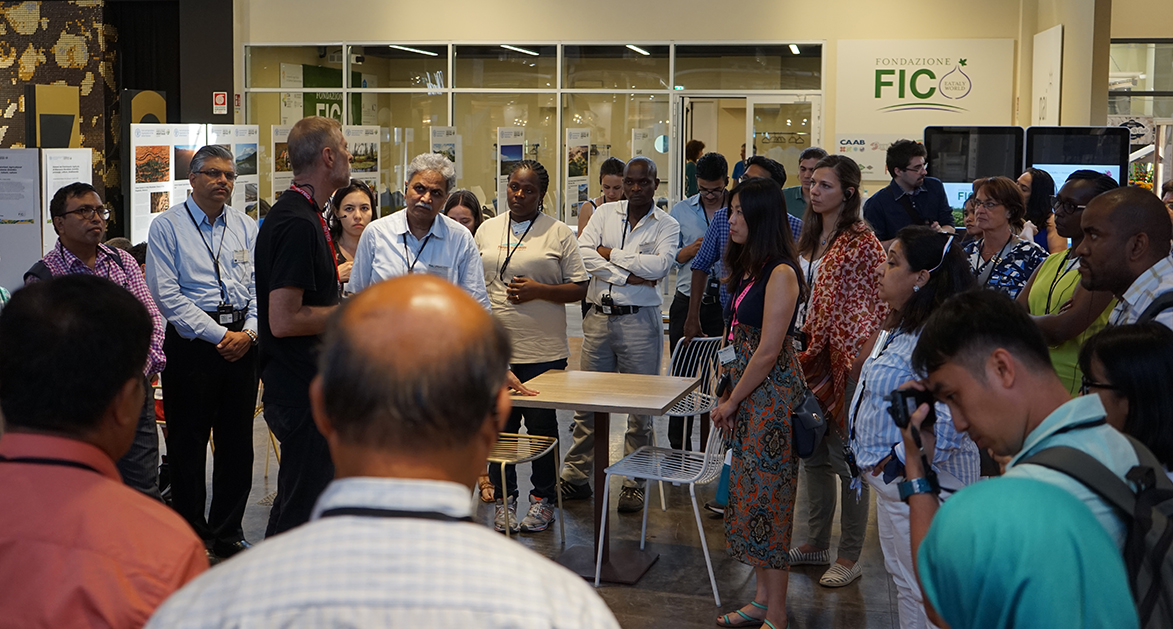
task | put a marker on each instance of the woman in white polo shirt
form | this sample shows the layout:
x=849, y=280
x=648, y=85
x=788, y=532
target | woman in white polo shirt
x=532, y=270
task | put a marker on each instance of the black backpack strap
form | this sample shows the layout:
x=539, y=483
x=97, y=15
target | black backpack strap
x=115, y=254
x=1084, y=468
x=906, y=203
x=1163, y=302
x=38, y=271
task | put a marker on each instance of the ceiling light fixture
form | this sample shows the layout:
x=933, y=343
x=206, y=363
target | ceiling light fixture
x=794, y=48
x=639, y=50
x=521, y=50
x=415, y=50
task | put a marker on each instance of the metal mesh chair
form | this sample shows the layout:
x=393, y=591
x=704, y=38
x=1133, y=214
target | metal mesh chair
x=697, y=357
x=512, y=448
x=676, y=466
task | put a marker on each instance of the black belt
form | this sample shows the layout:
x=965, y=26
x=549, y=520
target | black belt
x=614, y=311
x=237, y=316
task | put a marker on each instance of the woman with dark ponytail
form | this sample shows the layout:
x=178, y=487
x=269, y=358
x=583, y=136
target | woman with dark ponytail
x=532, y=270
x=922, y=270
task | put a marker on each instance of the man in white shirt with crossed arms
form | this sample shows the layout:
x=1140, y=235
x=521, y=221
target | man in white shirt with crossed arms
x=627, y=247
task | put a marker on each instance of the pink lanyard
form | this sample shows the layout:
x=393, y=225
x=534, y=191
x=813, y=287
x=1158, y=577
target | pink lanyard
x=736, y=305
x=325, y=229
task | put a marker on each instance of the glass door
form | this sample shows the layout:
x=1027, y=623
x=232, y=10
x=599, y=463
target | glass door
x=782, y=127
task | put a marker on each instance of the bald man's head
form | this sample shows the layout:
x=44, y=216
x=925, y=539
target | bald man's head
x=1126, y=231
x=412, y=364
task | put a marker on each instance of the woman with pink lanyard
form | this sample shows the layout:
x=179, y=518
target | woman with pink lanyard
x=761, y=363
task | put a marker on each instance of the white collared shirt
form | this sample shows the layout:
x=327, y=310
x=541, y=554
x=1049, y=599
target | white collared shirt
x=388, y=249
x=361, y=571
x=647, y=250
x=1156, y=280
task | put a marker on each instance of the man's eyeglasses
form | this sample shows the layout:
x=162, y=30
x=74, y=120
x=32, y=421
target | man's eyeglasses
x=1062, y=206
x=87, y=212
x=918, y=169
x=710, y=192
x=1087, y=385
x=212, y=173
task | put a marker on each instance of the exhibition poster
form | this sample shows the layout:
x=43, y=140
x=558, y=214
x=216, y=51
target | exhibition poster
x=578, y=160
x=446, y=142
x=892, y=89
x=365, y=164
x=20, y=207
x=641, y=143
x=243, y=141
x=59, y=168
x=160, y=157
x=282, y=171
x=510, y=151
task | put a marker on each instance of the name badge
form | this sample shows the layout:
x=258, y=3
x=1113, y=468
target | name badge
x=439, y=271
x=240, y=256
x=727, y=355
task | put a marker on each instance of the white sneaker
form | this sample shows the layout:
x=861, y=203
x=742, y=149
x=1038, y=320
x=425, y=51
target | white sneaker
x=540, y=516
x=499, y=515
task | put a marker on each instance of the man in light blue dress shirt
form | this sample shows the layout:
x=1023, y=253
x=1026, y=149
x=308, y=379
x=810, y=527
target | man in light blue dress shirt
x=200, y=273
x=420, y=239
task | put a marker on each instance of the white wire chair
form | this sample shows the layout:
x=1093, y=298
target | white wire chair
x=688, y=360
x=651, y=463
x=512, y=449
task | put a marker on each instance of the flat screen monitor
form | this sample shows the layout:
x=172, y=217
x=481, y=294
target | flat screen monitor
x=1063, y=150
x=959, y=155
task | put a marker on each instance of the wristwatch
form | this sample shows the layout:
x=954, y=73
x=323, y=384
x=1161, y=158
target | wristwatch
x=252, y=335
x=915, y=486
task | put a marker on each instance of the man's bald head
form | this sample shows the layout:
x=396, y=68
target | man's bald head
x=413, y=364
x=1135, y=211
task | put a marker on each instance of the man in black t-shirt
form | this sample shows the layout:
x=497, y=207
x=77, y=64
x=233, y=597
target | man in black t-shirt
x=297, y=289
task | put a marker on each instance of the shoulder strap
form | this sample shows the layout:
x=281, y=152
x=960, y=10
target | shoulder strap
x=115, y=254
x=1086, y=469
x=39, y=271
x=1163, y=302
x=906, y=203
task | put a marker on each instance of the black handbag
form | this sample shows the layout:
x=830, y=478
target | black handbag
x=809, y=424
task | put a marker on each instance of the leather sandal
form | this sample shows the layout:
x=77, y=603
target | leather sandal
x=745, y=619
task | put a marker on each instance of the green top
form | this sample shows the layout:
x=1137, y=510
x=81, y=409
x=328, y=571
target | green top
x=1056, y=282
x=1016, y=553
x=795, y=204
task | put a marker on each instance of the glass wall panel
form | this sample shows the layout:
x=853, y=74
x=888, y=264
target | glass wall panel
x=264, y=110
x=611, y=119
x=740, y=68
x=1141, y=67
x=400, y=66
x=405, y=119
x=615, y=67
x=293, y=66
x=477, y=117
x=521, y=66
x=1126, y=105
x=781, y=131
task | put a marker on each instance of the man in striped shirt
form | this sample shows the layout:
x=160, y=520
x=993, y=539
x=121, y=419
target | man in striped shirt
x=79, y=217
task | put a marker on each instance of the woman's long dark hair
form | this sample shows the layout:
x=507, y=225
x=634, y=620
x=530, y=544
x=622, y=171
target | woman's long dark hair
x=1038, y=205
x=332, y=221
x=812, y=222
x=949, y=272
x=764, y=210
x=1138, y=360
x=467, y=199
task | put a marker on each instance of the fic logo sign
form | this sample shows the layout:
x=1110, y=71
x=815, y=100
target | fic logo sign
x=922, y=83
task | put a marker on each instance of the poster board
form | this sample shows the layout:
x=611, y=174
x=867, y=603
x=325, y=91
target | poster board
x=578, y=166
x=279, y=160
x=510, y=150
x=20, y=212
x=893, y=89
x=445, y=141
x=160, y=156
x=366, y=162
x=1046, y=77
x=243, y=141
x=59, y=168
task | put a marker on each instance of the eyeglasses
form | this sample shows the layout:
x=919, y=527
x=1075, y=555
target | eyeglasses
x=1062, y=206
x=1087, y=385
x=989, y=205
x=212, y=173
x=710, y=192
x=87, y=212
x=919, y=168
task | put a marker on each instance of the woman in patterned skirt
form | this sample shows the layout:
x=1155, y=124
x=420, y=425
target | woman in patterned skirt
x=764, y=369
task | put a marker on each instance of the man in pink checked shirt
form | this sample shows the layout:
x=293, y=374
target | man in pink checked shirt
x=79, y=218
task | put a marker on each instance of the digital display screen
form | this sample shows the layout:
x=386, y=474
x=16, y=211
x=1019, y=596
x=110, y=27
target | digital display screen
x=1063, y=150
x=959, y=155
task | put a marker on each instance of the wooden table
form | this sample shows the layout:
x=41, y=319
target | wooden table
x=606, y=393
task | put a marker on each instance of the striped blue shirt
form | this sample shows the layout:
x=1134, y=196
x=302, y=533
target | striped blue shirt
x=872, y=431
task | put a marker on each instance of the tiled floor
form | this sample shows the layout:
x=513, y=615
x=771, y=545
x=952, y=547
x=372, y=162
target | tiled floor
x=675, y=592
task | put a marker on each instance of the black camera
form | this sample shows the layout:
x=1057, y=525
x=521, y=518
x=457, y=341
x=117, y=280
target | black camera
x=902, y=403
